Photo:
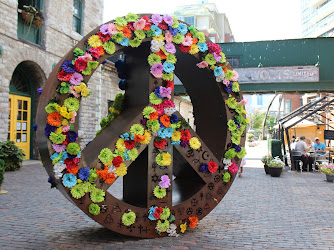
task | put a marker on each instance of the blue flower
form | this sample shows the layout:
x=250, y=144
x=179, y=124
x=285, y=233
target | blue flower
x=79, y=154
x=156, y=29
x=69, y=180
x=39, y=90
x=165, y=132
x=183, y=29
x=202, y=47
x=68, y=66
x=151, y=212
x=126, y=156
x=218, y=71
x=84, y=173
x=173, y=31
x=126, y=136
x=72, y=136
x=168, y=67
x=49, y=129
x=157, y=92
x=124, y=42
x=174, y=118
x=204, y=168
x=175, y=142
x=229, y=88
x=237, y=148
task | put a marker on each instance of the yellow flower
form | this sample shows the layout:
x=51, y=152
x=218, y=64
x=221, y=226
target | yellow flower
x=94, y=41
x=120, y=145
x=82, y=88
x=64, y=122
x=194, y=143
x=159, y=38
x=148, y=137
x=121, y=170
x=59, y=131
x=183, y=227
x=176, y=136
x=114, y=110
x=85, y=92
x=247, y=120
x=166, y=159
x=212, y=67
x=79, y=180
x=193, y=49
x=119, y=27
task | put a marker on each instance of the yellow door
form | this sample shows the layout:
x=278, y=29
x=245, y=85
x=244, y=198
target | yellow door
x=19, y=122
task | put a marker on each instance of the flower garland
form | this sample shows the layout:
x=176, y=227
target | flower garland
x=159, y=122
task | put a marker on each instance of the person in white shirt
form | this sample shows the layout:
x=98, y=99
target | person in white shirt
x=303, y=148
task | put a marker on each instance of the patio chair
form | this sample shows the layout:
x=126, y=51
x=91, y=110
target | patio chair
x=297, y=159
x=321, y=158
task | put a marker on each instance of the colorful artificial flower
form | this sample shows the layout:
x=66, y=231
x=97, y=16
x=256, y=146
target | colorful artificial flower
x=226, y=177
x=94, y=209
x=94, y=41
x=194, y=143
x=128, y=218
x=84, y=174
x=213, y=167
x=106, y=156
x=57, y=138
x=193, y=221
x=183, y=227
x=117, y=161
x=54, y=119
x=163, y=159
x=121, y=170
x=165, y=181
x=159, y=192
x=204, y=168
x=161, y=144
x=97, y=195
x=137, y=129
x=163, y=226
x=73, y=148
x=69, y=180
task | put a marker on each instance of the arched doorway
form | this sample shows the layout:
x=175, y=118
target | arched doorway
x=23, y=98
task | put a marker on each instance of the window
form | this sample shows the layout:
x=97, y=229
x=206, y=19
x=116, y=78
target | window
x=234, y=61
x=213, y=39
x=189, y=20
x=26, y=30
x=77, y=15
x=287, y=106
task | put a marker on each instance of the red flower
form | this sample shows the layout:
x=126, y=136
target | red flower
x=212, y=166
x=63, y=76
x=130, y=26
x=184, y=49
x=103, y=37
x=80, y=64
x=158, y=212
x=214, y=48
x=94, y=52
x=117, y=161
x=233, y=168
x=163, y=25
x=147, y=19
x=129, y=144
x=70, y=163
x=160, y=144
x=185, y=135
x=170, y=84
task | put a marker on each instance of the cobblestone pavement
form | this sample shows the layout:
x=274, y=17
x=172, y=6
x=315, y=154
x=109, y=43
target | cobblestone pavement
x=293, y=211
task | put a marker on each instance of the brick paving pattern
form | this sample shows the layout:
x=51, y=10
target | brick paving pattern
x=294, y=211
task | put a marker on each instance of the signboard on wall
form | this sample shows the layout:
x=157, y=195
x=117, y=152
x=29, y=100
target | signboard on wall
x=329, y=134
x=279, y=74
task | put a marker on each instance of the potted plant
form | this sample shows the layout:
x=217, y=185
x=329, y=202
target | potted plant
x=328, y=170
x=275, y=167
x=11, y=155
x=265, y=160
x=2, y=176
x=32, y=16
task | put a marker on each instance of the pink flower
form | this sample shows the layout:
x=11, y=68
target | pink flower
x=187, y=41
x=157, y=68
x=87, y=57
x=217, y=56
x=73, y=92
x=167, y=104
x=165, y=92
x=104, y=29
x=80, y=64
x=244, y=101
x=59, y=147
x=168, y=19
x=66, y=128
x=235, y=76
x=202, y=64
x=156, y=19
x=226, y=82
x=165, y=181
x=213, y=47
x=139, y=24
x=94, y=52
x=168, y=36
x=159, y=108
x=76, y=78
x=112, y=29
x=170, y=48
x=233, y=168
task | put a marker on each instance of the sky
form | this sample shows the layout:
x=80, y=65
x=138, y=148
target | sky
x=250, y=20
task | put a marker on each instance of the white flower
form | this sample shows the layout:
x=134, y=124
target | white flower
x=169, y=111
x=227, y=162
x=220, y=78
x=155, y=48
x=59, y=167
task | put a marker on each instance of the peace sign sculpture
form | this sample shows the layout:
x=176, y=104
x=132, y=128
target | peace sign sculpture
x=173, y=176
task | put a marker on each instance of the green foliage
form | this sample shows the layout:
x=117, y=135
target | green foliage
x=256, y=121
x=275, y=148
x=265, y=159
x=11, y=155
x=250, y=137
x=2, y=171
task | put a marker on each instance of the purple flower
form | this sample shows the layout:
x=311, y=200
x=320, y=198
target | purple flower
x=49, y=129
x=157, y=68
x=229, y=88
x=59, y=147
x=204, y=168
x=39, y=90
x=84, y=173
x=157, y=92
x=76, y=78
x=71, y=156
x=173, y=31
x=68, y=66
x=72, y=136
x=217, y=56
x=168, y=19
x=143, y=121
x=237, y=148
x=174, y=118
x=165, y=92
x=156, y=19
x=170, y=48
x=104, y=29
x=184, y=144
x=165, y=181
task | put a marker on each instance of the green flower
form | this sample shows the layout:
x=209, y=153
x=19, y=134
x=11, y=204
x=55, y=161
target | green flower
x=150, y=33
x=72, y=104
x=193, y=30
x=239, y=108
x=171, y=58
x=223, y=57
x=232, y=103
x=97, y=195
x=242, y=153
x=147, y=111
x=134, y=43
x=201, y=37
x=78, y=191
x=236, y=139
x=175, y=125
x=92, y=175
x=235, y=87
x=78, y=52
x=154, y=125
x=90, y=65
x=87, y=186
x=55, y=160
x=178, y=39
x=109, y=47
x=120, y=21
x=229, y=74
x=153, y=59
x=210, y=59
x=57, y=138
x=94, y=209
x=168, y=77
x=106, y=156
x=163, y=226
x=133, y=154
x=73, y=148
x=165, y=213
x=130, y=17
x=175, y=23
x=137, y=129
x=226, y=177
x=231, y=125
x=64, y=88
x=118, y=152
x=229, y=154
x=159, y=192
x=154, y=99
x=128, y=218
x=140, y=34
x=51, y=107
x=118, y=37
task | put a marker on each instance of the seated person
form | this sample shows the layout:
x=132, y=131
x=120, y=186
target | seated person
x=303, y=148
x=319, y=147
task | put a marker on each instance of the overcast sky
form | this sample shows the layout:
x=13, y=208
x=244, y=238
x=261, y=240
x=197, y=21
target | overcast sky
x=250, y=20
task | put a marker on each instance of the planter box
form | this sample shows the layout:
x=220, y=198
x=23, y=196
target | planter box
x=275, y=172
x=330, y=178
x=266, y=169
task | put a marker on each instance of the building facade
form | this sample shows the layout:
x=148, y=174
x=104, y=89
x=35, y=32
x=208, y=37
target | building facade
x=206, y=18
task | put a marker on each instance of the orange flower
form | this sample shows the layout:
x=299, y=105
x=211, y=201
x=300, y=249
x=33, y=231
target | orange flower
x=189, y=34
x=126, y=32
x=161, y=54
x=101, y=51
x=195, y=40
x=165, y=120
x=54, y=119
x=193, y=221
x=225, y=69
x=73, y=170
x=154, y=116
x=106, y=176
x=139, y=138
